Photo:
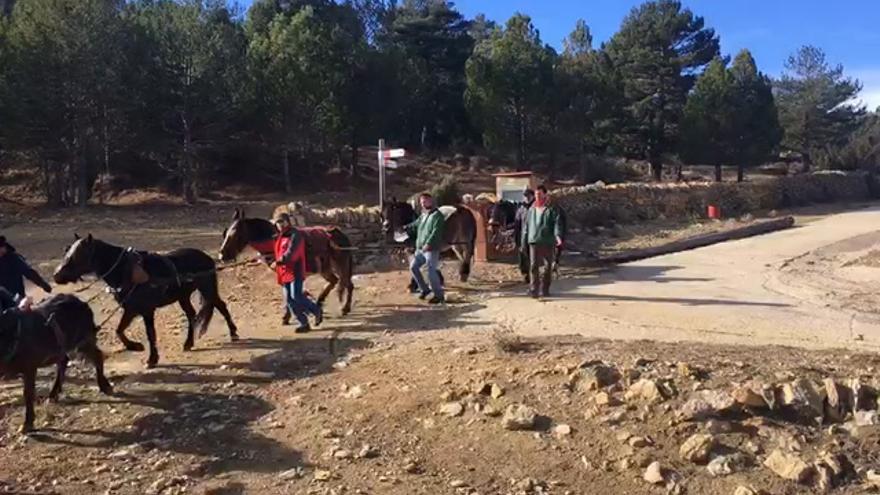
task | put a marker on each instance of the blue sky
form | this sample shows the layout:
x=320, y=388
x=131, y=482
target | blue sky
x=848, y=30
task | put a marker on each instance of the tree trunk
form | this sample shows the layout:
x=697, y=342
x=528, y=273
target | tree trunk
x=700, y=241
x=285, y=166
x=656, y=167
x=740, y=172
x=353, y=166
x=187, y=179
x=717, y=173
x=82, y=182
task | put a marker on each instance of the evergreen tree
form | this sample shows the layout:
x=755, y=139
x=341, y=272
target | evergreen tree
x=657, y=52
x=509, y=80
x=816, y=103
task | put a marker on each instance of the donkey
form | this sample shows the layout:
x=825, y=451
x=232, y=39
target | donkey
x=328, y=252
x=168, y=279
x=46, y=335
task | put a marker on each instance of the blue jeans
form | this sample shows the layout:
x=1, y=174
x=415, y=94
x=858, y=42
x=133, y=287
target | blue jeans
x=297, y=302
x=432, y=259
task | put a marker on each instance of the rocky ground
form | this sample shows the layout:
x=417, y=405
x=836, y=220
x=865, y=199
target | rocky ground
x=430, y=401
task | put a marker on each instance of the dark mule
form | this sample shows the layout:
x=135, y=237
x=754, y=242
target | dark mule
x=501, y=218
x=165, y=279
x=46, y=335
x=326, y=248
x=459, y=234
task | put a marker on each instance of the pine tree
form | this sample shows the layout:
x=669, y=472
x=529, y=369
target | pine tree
x=657, y=52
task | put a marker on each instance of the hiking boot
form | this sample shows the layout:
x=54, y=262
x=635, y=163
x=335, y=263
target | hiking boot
x=533, y=294
x=437, y=300
x=319, y=316
x=285, y=320
x=424, y=295
x=303, y=329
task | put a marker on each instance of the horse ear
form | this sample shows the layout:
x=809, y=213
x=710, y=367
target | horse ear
x=75, y=236
x=89, y=238
x=237, y=214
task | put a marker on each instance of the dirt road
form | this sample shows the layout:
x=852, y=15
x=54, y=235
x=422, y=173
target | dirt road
x=276, y=413
x=762, y=290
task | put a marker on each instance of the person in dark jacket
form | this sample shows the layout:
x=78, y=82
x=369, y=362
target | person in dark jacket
x=519, y=219
x=542, y=234
x=290, y=268
x=428, y=231
x=14, y=269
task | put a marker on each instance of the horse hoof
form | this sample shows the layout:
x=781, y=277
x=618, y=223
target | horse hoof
x=234, y=337
x=53, y=398
x=26, y=429
x=187, y=347
x=152, y=363
x=107, y=390
x=134, y=347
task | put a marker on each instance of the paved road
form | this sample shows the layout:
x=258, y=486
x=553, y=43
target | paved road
x=726, y=293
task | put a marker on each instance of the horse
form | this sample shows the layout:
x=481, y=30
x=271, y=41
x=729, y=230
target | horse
x=325, y=248
x=165, y=279
x=459, y=233
x=502, y=217
x=46, y=335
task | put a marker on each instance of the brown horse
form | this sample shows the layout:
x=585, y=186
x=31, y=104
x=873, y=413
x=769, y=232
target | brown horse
x=55, y=328
x=327, y=248
x=459, y=233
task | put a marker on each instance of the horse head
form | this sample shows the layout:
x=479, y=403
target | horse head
x=396, y=215
x=77, y=261
x=235, y=237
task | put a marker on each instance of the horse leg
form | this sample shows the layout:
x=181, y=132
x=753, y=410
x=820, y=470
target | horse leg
x=461, y=255
x=345, y=269
x=150, y=325
x=60, y=370
x=220, y=306
x=94, y=354
x=332, y=280
x=29, y=377
x=190, y=313
x=124, y=322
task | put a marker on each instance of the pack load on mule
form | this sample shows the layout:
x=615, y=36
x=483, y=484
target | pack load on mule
x=142, y=282
x=328, y=253
x=44, y=336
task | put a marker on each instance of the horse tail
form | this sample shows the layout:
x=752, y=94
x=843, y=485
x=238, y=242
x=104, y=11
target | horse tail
x=210, y=292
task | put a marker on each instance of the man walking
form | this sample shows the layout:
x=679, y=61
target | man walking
x=429, y=236
x=290, y=267
x=14, y=269
x=542, y=234
x=518, y=221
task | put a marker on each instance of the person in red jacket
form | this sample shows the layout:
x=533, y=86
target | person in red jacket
x=290, y=270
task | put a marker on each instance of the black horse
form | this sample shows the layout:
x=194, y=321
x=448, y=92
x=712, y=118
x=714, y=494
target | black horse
x=502, y=217
x=46, y=335
x=164, y=280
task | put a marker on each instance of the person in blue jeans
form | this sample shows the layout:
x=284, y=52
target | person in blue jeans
x=290, y=269
x=428, y=229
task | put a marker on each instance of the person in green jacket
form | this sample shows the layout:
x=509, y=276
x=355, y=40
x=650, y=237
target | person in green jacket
x=428, y=230
x=542, y=233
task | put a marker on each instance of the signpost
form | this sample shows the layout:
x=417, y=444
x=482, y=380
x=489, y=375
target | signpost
x=386, y=161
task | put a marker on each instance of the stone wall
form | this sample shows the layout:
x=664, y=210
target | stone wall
x=626, y=203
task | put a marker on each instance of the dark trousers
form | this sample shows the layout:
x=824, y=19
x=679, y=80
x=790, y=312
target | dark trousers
x=524, y=264
x=540, y=268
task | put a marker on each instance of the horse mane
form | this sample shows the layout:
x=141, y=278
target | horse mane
x=260, y=229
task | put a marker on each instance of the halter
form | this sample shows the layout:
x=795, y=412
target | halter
x=101, y=277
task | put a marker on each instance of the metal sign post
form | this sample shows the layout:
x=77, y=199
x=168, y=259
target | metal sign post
x=386, y=160
x=381, y=175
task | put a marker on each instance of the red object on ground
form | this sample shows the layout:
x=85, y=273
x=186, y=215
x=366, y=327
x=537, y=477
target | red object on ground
x=714, y=212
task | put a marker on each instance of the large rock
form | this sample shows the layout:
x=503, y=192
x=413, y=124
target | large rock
x=519, y=417
x=452, y=409
x=788, y=466
x=697, y=448
x=755, y=396
x=706, y=404
x=650, y=391
x=594, y=376
x=838, y=401
x=804, y=398
x=654, y=474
